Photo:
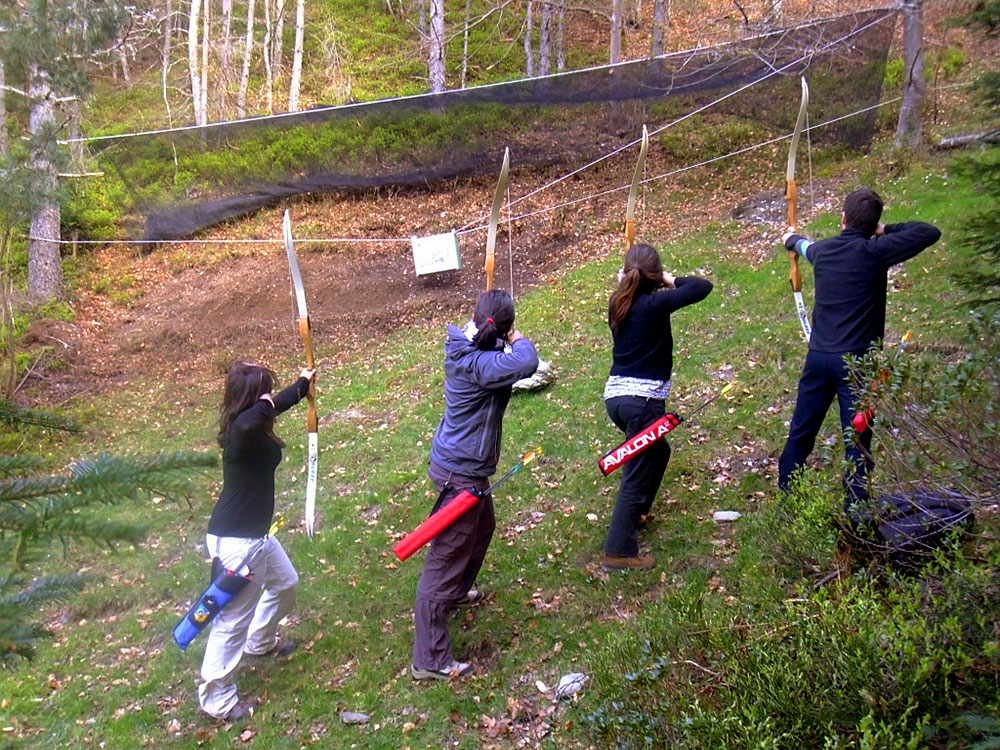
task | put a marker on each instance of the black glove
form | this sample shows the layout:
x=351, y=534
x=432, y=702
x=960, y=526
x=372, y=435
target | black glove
x=791, y=242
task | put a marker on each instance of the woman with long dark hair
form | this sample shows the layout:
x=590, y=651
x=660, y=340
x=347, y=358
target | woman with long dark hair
x=637, y=388
x=241, y=518
x=479, y=371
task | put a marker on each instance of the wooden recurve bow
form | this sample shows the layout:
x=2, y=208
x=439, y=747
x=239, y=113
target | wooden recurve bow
x=305, y=331
x=791, y=198
x=491, y=236
x=633, y=191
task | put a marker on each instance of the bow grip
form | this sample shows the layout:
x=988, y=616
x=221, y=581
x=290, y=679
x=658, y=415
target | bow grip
x=305, y=331
x=791, y=198
x=795, y=273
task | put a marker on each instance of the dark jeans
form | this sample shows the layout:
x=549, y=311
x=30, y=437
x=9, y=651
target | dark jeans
x=641, y=476
x=823, y=377
x=453, y=562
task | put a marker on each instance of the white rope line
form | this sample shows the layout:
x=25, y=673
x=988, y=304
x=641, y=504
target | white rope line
x=510, y=244
x=809, y=156
x=714, y=159
x=696, y=111
x=478, y=87
x=686, y=167
x=221, y=241
x=510, y=218
x=774, y=72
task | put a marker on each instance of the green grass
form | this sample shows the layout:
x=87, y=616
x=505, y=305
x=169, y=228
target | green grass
x=723, y=598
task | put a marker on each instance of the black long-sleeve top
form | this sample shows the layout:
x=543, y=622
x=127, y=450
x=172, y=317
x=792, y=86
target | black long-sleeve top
x=245, y=506
x=644, y=343
x=851, y=272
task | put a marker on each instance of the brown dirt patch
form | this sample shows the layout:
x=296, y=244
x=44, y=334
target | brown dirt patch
x=193, y=308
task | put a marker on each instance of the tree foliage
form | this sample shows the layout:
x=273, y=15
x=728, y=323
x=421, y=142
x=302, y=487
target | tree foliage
x=63, y=38
x=38, y=508
x=982, y=232
x=984, y=14
x=47, y=48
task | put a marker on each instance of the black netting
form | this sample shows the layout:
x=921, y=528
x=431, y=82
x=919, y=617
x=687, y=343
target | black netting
x=181, y=182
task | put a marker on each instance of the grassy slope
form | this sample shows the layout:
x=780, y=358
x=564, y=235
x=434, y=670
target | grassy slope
x=114, y=677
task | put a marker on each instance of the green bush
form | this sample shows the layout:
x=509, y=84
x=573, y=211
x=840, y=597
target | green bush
x=879, y=663
x=876, y=659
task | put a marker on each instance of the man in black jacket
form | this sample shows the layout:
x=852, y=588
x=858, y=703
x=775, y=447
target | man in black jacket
x=850, y=272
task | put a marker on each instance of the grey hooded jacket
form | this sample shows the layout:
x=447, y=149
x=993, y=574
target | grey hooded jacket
x=477, y=386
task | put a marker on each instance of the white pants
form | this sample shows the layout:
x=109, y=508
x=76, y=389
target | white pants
x=249, y=622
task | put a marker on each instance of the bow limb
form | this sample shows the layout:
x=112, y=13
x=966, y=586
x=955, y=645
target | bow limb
x=305, y=332
x=791, y=198
x=633, y=191
x=491, y=236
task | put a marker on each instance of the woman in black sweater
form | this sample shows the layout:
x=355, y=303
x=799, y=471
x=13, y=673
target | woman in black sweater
x=240, y=520
x=637, y=388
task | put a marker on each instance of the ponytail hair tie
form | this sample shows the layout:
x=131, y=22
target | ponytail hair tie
x=489, y=320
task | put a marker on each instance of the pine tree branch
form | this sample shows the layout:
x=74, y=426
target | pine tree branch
x=11, y=465
x=12, y=414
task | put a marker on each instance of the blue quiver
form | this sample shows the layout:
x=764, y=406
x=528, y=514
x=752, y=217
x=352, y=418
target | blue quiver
x=223, y=589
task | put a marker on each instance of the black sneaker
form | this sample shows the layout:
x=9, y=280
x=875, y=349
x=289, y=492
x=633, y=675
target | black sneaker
x=612, y=563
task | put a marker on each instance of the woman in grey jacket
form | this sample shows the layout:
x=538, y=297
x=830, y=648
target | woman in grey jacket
x=479, y=372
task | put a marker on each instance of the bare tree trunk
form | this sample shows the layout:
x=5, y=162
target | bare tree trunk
x=616, y=31
x=8, y=362
x=422, y=20
x=44, y=260
x=545, y=40
x=266, y=49
x=206, y=43
x=241, y=97
x=4, y=132
x=529, y=55
x=633, y=13
x=560, y=30
x=969, y=139
x=227, y=40
x=126, y=74
x=193, y=20
x=168, y=32
x=76, y=147
x=300, y=24
x=909, y=126
x=436, y=55
x=660, y=15
x=279, y=37
x=465, y=43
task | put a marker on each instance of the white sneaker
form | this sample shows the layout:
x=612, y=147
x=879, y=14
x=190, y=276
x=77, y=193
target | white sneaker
x=471, y=599
x=454, y=671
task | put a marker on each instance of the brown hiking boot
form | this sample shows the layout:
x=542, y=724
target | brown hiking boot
x=612, y=563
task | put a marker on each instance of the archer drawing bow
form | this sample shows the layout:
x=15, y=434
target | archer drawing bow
x=305, y=331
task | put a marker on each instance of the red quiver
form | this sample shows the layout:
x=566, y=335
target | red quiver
x=638, y=443
x=435, y=524
x=863, y=419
